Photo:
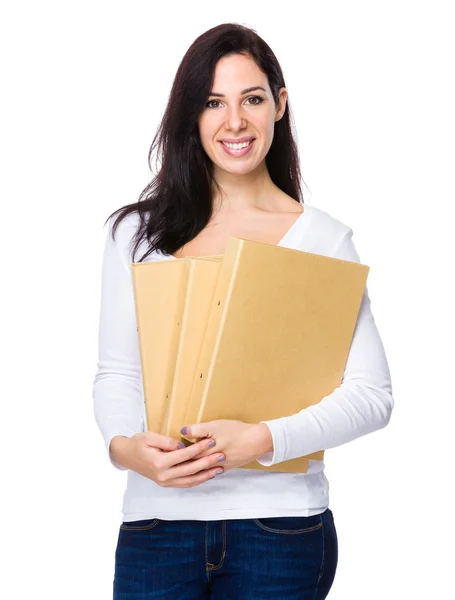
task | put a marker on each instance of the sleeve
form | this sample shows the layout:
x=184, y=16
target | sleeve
x=360, y=405
x=117, y=387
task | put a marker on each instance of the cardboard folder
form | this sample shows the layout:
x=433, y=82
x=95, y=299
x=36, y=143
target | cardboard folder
x=159, y=295
x=201, y=282
x=277, y=338
x=201, y=285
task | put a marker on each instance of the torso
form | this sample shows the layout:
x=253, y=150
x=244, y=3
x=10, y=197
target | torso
x=267, y=227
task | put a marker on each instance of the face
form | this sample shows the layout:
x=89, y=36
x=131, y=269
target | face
x=240, y=106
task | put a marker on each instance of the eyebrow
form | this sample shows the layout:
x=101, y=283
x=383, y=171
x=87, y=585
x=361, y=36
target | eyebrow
x=245, y=91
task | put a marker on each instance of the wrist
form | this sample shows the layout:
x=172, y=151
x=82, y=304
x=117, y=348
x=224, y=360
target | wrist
x=265, y=439
x=117, y=448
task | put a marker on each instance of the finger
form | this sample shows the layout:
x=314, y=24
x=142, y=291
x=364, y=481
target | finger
x=194, y=480
x=199, y=430
x=184, y=454
x=207, y=452
x=193, y=467
x=163, y=442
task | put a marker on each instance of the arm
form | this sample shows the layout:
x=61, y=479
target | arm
x=360, y=405
x=117, y=388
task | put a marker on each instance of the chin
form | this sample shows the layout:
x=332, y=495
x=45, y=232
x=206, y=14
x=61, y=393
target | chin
x=237, y=171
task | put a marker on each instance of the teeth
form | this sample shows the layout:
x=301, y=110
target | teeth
x=237, y=146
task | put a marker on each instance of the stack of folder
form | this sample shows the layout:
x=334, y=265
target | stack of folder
x=257, y=333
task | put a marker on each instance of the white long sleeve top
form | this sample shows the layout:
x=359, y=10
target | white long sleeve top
x=360, y=405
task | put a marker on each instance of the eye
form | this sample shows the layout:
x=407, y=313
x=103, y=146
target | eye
x=258, y=98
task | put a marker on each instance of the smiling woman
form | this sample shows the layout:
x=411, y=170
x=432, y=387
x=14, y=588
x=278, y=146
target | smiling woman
x=229, y=166
x=229, y=88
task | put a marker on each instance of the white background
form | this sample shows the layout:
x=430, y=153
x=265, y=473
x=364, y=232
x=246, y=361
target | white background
x=371, y=85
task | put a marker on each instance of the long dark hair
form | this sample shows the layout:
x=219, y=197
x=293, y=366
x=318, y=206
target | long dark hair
x=177, y=204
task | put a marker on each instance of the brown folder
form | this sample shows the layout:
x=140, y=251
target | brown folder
x=202, y=277
x=160, y=295
x=278, y=336
x=159, y=291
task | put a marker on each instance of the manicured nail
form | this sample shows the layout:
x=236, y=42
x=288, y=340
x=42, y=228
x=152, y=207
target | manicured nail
x=211, y=443
x=221, y=458
x=219, y=472
x=183, y=430
x=180, y=445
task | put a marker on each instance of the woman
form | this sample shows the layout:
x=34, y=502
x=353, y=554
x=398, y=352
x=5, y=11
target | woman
x=194, y=524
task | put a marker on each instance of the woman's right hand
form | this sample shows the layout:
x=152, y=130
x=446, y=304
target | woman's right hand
x=158, y=457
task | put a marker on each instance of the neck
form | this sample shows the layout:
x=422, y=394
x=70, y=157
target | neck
x=244, y=192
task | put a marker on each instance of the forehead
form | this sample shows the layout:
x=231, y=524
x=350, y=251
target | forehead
x=235, y=73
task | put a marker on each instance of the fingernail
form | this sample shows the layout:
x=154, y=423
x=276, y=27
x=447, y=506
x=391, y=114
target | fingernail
x=219, y=472
x=180, y=445
x=211, y=444
x=183, y=430
x=221, y=458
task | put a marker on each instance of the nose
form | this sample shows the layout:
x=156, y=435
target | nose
x=235, y=118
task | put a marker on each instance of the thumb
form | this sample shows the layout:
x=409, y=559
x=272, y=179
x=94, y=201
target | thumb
x=198, y=430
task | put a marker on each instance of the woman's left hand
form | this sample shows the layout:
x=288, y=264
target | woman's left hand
x=240, y=442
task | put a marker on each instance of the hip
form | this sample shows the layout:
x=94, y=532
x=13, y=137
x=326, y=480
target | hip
x=290, y=557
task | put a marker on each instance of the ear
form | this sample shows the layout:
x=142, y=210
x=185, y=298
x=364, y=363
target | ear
x=281, y=106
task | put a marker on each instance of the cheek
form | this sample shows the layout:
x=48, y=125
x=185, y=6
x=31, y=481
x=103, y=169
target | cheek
x=264, y=124
x=270, y=125
x=208, y=126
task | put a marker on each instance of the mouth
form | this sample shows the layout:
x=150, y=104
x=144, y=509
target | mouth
x=239, y=149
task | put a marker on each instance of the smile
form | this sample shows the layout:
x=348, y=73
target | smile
x=237, y=149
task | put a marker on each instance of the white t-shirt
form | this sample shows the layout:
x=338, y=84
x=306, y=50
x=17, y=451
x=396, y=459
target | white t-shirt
x=360, y=405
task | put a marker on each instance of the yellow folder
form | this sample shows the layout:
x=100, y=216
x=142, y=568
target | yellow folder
x=278, y=336
x=159, y=295
x=202, y=277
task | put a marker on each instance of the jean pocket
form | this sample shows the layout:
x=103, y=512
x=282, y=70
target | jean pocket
x=290, y=525
x=141, y=525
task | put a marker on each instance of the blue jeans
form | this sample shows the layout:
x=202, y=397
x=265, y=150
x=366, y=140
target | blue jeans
x=292, y=558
